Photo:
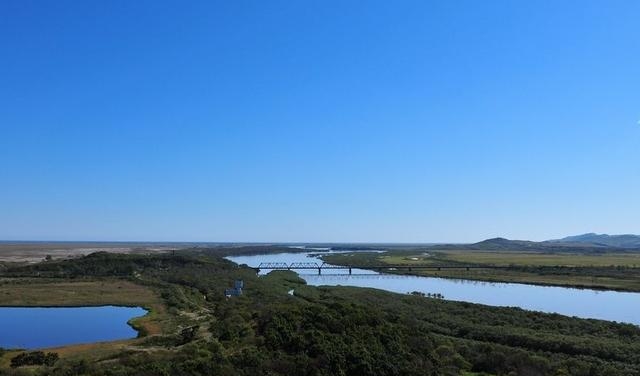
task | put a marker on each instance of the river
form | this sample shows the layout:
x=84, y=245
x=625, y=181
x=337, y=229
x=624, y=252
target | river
x=583, y=303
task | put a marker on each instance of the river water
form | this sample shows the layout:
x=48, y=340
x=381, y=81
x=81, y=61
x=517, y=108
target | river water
x=584, y=303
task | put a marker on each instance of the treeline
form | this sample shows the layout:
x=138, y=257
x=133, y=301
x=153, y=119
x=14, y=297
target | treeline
x=248, y=250
x=336, y=330
x=104, y=264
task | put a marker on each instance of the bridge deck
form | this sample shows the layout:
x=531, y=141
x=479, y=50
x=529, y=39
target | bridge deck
x=379, y=267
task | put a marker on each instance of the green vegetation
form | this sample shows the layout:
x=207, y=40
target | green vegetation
x=318, y=330
x=614, y=271
x=34, y=358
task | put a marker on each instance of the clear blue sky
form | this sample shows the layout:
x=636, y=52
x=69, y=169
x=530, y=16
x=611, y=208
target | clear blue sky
x=408, y=121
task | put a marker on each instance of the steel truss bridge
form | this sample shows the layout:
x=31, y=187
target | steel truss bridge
x=380, y=268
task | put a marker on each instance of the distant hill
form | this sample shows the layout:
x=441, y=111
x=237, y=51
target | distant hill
x=502, y=244
x=618, y=241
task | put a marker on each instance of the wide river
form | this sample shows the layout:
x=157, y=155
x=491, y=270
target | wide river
x=584, y=303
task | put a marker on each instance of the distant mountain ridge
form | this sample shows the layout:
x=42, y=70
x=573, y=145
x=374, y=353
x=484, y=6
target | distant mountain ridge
x=579, y=243
x=618, y=241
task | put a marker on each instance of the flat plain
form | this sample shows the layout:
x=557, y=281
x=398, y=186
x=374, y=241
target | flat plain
x=32, y=252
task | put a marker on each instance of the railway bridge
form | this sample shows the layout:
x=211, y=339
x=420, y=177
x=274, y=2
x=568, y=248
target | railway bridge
x=376, y=267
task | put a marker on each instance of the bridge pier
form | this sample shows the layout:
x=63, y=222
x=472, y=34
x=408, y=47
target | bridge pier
x=319, y=271
x=349, y=270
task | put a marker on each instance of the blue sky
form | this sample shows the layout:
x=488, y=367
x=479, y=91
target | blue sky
x=409, y=121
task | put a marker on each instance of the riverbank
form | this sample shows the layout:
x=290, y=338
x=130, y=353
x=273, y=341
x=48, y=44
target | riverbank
x=616, y=272
x=330, y=330
x=584, y=303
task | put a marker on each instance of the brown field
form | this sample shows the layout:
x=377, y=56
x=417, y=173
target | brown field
x=24, y=252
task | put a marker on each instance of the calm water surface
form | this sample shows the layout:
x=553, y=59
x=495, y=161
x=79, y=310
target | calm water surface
x=40, y=327
x=584, y=303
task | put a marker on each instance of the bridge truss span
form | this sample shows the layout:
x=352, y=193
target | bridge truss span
x=379, y=268
x=273, y=266
x=304, y=265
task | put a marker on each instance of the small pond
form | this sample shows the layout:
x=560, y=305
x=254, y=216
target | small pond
x=42, y=327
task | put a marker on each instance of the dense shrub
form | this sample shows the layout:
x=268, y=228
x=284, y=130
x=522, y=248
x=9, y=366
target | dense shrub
x=34, y=358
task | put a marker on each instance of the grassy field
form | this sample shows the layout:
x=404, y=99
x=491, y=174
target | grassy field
x=542, y=259
x=616, y=271
x=34, y=292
